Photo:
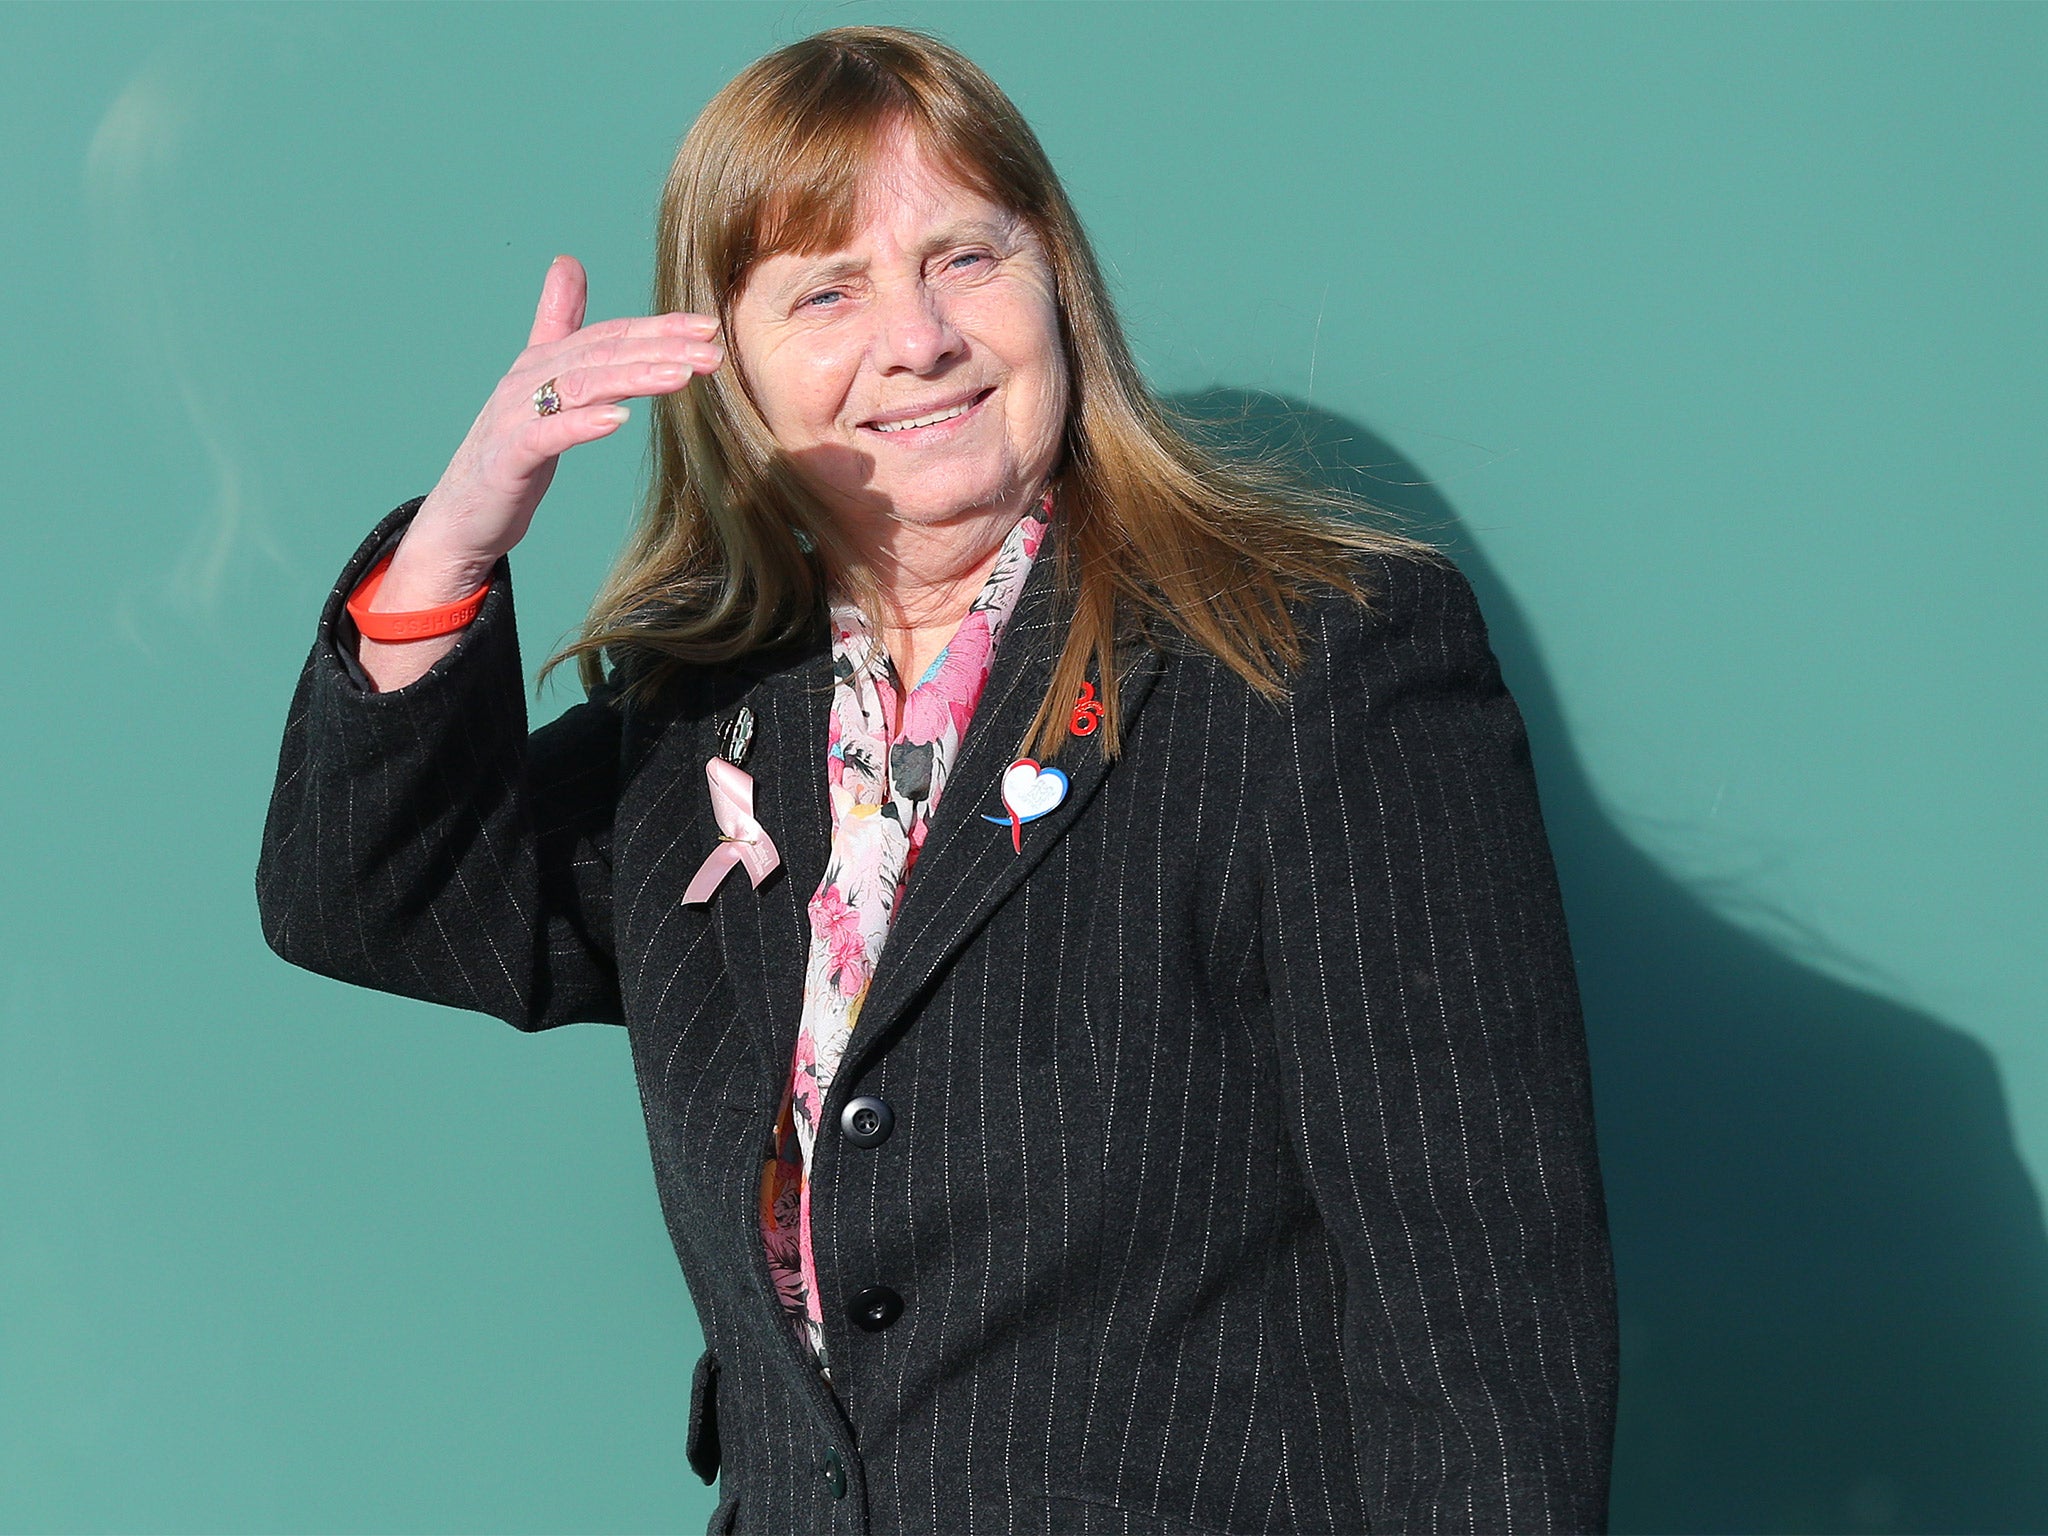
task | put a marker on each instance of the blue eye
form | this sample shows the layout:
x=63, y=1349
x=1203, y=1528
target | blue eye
x=829, y=293
x=969, y=256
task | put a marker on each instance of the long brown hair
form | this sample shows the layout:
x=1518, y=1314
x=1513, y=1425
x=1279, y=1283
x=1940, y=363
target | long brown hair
x=732, y=554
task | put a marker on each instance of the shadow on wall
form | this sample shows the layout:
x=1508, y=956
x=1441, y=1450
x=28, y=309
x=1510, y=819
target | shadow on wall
x=1833, y=1272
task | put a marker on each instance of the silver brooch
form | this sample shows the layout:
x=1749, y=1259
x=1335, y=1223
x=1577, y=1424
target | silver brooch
x=737, y=737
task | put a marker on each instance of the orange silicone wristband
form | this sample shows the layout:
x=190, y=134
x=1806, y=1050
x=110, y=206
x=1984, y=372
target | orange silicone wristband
x=420, y=624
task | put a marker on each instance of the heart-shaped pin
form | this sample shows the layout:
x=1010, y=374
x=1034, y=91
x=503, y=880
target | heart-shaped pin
x=1029, y=791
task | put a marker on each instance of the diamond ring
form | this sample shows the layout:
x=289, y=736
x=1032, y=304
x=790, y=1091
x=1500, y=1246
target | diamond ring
x=547, y=400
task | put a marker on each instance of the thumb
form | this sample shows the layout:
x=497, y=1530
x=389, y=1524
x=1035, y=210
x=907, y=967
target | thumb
x=562, y=297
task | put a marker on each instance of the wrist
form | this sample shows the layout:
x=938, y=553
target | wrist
x=410, y=609
x=422, y=575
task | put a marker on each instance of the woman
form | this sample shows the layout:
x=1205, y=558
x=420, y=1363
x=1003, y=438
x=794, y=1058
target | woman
x=1095, y=974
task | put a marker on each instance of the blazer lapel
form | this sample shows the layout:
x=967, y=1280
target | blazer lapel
x=791, y=708
x=968, y=866
x=764, y=934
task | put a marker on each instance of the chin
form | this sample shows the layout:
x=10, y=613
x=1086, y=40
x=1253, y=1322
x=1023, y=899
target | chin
x=935, y=497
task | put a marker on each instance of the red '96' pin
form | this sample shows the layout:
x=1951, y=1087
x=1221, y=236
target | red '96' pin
x=1087, y=712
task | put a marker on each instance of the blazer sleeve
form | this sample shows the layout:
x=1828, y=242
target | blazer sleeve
x=1435, y=1064
x=422, y=842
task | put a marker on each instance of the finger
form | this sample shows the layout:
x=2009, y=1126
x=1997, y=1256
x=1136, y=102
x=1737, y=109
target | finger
x=702, y=356
x=627, y=327
x=545, y=437
x=672, y=331
x=584, y=387
x=563, y=294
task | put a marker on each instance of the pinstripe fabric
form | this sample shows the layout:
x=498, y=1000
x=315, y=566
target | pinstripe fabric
x=1242, y=1177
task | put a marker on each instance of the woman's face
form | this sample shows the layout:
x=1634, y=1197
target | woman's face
x=940, y=311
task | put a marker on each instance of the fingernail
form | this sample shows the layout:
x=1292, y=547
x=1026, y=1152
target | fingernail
x=615, y=415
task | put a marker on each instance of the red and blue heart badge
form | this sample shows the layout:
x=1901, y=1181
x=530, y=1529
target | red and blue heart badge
x=1029, y=792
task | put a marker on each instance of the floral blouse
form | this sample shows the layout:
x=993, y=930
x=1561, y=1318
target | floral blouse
x=885, y=768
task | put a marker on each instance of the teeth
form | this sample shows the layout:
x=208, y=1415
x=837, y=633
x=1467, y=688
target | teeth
x=922, y=421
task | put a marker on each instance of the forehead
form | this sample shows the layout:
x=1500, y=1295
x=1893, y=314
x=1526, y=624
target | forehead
x=899, y=194
x=903, y=184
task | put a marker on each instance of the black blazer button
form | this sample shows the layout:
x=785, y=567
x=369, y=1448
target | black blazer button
x=835, y=1473
x=867, y=1121
x=875, y=1308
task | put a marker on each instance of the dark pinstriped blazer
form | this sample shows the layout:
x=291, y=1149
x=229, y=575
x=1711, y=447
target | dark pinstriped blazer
x=1242, y=1171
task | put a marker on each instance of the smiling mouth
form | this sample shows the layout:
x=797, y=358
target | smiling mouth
x=931, y=418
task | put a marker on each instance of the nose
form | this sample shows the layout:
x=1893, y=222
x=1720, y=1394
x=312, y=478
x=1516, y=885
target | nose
x=912, y=331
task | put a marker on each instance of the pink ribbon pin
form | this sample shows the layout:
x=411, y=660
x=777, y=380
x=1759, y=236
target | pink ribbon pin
x=742, y=840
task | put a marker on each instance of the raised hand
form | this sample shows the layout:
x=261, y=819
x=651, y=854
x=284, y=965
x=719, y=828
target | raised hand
x=485, y=499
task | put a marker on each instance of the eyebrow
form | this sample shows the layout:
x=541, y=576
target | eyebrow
x=837, y=269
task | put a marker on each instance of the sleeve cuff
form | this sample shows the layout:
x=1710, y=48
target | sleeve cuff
x=338, y=634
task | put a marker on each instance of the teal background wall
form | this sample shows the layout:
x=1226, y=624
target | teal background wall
x=1711, y=339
